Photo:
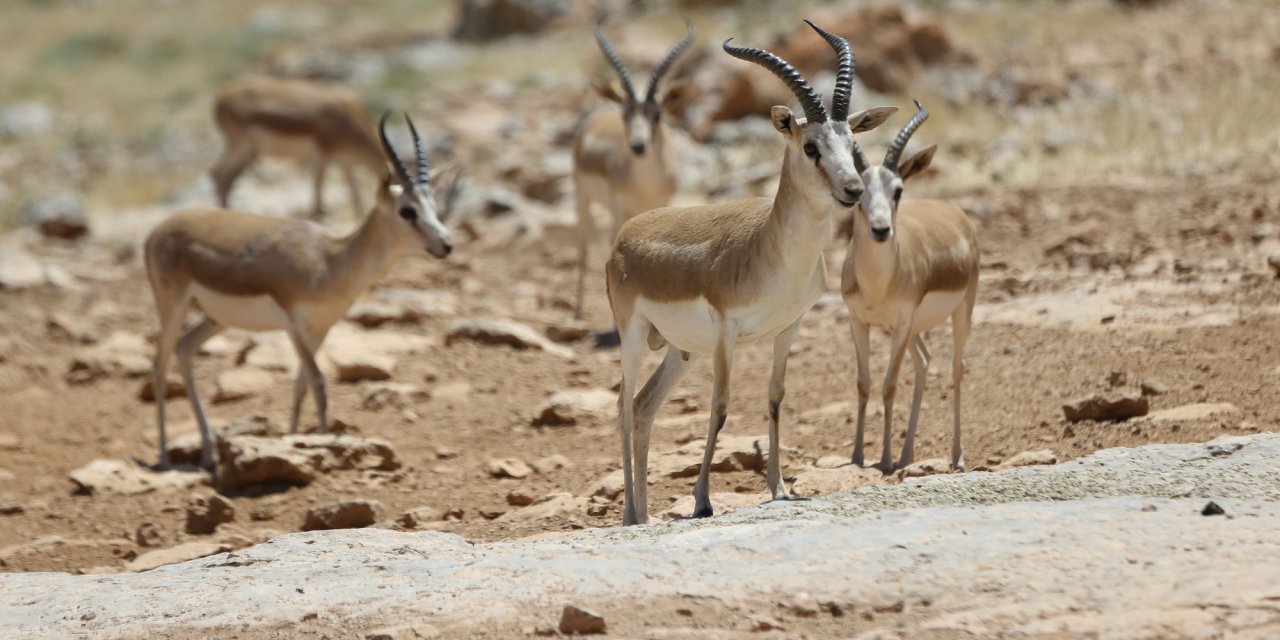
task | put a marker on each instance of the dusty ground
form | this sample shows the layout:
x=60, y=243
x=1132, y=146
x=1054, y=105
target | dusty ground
x=1142, y=251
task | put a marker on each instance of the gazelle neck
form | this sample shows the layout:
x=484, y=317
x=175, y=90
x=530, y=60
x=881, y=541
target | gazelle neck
x=800, y=223
x=874, y=263
x=360, y=258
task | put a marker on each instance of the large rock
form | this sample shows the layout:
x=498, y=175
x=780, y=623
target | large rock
x=123, y=477
x=503, y=332
x=572, y=406
x=351, y=514
x=819, y=481
x=356, y=364
x=205, y=513
x=733, y=453
x=297, y=459
x=488, y=19
x=121, y=354
x=402, y=306
x=184, y=447
x=552, y=506
x=58, y=216
x=19, y=269
x=1160, y=565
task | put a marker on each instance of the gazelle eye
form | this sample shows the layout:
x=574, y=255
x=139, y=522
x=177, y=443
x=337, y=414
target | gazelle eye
x=897, y=194
x=811, y=149
x=408, y=213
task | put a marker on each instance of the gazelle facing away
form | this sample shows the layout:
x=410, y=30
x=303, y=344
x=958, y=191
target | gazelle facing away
x=624, y=159
x=910, y=265
x=293, y=118
x=262, y=273
x=701, y=279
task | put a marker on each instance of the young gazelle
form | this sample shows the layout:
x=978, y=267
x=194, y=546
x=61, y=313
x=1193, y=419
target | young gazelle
x=624, y=159
x=910, y=265
x=702, y=279
x=262, y=273
x=293, y=118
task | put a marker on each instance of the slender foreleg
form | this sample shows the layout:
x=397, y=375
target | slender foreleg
x=920, y=361
x=777, y=390
x=725, y=337
x=901, y=338
x=186, y=350
x=862, y=352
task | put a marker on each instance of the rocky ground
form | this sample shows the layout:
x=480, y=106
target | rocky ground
x=1124, y=191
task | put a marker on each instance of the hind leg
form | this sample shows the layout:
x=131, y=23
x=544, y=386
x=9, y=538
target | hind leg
x=172, y=312
x=675, y=366
x=961, y=322
x=920, y=362
x=777, y=389
x=187, y=347
x=230, y=166
x=583, y=207
x=633, y=342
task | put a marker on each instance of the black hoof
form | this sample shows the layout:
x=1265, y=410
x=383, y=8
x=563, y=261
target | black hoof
x=608, y=339
x=704, y=513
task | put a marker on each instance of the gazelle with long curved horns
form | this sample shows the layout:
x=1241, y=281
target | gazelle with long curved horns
x=702, y=279
x=262, y=273
x=911, y=264
x=625, y=159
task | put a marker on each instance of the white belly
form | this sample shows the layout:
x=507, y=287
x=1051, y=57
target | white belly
x=933, y=311
x=252, y=313
x=691, y=325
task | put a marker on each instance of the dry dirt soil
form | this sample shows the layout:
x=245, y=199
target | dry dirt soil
x=1092, y=284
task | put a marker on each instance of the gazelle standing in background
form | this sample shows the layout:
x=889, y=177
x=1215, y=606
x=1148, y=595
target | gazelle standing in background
x=293, y=118
x=702, y=279
x=910, y=265
x=624, y=159
x=263, y=273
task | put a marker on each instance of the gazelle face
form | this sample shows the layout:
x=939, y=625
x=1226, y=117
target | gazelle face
x=416, y=218
x=880, y=201
x=641, y=120
x=823, y=152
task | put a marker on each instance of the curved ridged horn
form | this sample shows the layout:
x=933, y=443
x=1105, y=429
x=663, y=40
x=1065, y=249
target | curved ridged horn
x=615, y=60
x=667, y=62
x=900, y=142
x=423, y=173
x=809, y=100
x=859, y=160
x=844, y=73
x=402, y=172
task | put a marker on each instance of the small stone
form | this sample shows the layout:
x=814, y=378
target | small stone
x=12, y=508
x=72, y=329
x=376, y=396
x=58, y=216
x=1192, y=412
x=19, y=269
x=573, y=406
x=121, y=354
x=351, y=514
x=820, y=481
x=173, y=388
x=297, y=459
x=9, y=442
x=355, y=364
x=831, y=462
x=174, y=555
x=519, y=498
x=766, y=623
x=1212, y=509
x=446, y=453
x=509, y=468
x=1153, y=388
x=1099, y=408
x=496, y=331
x=1274, y=263
x=126, y=478
x=241, y=382
x=565, y=334
x=580, y=621
x=551, y=464
x=1030, y=458
x=148, y=535
x=1117, y=379
x=204, y=514
x=417, y=517
x=930, y=467
x=609, y=486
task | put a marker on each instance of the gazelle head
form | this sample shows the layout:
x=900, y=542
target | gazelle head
x=884, y=182
x=641, y=117
x=405, y=203
x=822, y=141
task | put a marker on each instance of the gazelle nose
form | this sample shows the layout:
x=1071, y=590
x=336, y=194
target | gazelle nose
x=854, y=194
x=880, y=235
x=448, y=248
x=638, y=148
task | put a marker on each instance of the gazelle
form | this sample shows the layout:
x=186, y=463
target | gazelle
x=702, y=279
x=910, y=265
x=293, y=118
x=262, y=273
x=624, y=159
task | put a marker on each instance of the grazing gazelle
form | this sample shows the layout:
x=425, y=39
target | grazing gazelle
x=293, y=118
x=910, y=265
x=624, y=159
x=262, y=273
x=702, y=279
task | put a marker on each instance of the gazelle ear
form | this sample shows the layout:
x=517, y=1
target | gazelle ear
x=868, y=119
x=610, y=90
x=675, y=91
x=783, y=119
x=917, y=163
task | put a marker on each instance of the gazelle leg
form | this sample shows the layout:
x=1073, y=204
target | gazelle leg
x=777, y=389
x=862, y=351
x=584, y=238
x=719, y=413
x=230, y=165
x=300, y=384
x=920, y=361
x=961, y=322
x=357, y=200
x=675, y=366
x=187, y=347
x=317, y=188
x=306, y=346
x=901, y=338
x=633, y=343
x=171, y=316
